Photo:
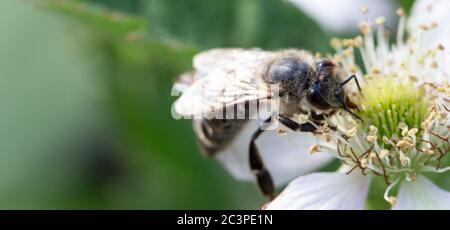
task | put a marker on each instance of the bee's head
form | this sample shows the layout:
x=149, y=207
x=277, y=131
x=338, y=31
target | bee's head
x=326, y=91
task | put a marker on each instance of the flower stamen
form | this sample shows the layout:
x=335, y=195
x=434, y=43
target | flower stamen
x=388, y=198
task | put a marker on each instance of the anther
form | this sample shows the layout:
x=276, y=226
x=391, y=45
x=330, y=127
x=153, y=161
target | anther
x=392, y=200
x=351, y=132
x=380, y=20
x=400, y=12
x=314, y=148
x=384, y=153
x=365, y=9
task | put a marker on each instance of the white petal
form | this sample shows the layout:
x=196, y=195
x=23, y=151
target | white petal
x=286, y=157
x=324, y=191
x=428, y=11
x=425, y=12
x=334, y=15
x=422, y=194
x=289, y=156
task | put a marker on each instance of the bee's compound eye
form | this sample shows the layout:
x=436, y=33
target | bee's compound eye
x=324, y=64
x=316, y=98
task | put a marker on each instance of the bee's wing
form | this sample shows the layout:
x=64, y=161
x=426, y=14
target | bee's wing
x=183, y=82
x=224, y=77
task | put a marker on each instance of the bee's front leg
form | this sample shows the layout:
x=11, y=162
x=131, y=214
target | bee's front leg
x=263, y=176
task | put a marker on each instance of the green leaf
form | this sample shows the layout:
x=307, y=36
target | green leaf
x=375, y=199
x=270, y=24
x=106, y=22
x=169, y=171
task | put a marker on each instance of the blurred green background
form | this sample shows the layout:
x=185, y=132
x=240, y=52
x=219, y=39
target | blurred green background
x=85, y=98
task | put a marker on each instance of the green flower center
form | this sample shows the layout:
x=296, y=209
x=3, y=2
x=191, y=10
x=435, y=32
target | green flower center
x=389, y=101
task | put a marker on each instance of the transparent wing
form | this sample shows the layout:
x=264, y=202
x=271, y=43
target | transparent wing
x=224, y=77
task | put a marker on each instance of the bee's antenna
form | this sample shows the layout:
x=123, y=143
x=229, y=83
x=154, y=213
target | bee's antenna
x=349, y=79
x=342, y=101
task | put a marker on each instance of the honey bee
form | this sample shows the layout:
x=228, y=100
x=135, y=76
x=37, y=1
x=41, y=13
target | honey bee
x=235, y=79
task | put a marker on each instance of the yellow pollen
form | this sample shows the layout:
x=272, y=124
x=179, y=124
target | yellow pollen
x=404, y=160
x=392, y=200
x=402, y=126
x=386, y=140
x=364, y=26
x=354, y=68
x=364, y=163
x=434, y=65
x=400, y=12
x=335, y=42
x=338, y=58
x=433, y=25
x=412, y=132
x=384, y=153
x=413, y=176
x=427, y=150
x=314, y=148
x=412, y=78
x=373, y=156
x=358, y=41
x=431, y=53
x=412, y=40
x=351, y=132
x=326, y=136
x=281, y=132
x=302, y=118
x=421, y=60
x=348, y=52
x=403, y=144
x=407, y=139
x=318, y=55
x=375, y=70
x=371, y=138
x=423, y=27
x=347, y=42
x=425, y=124
x=365, y=9
x=404, y=132
x=403, y=65
x=380, y=20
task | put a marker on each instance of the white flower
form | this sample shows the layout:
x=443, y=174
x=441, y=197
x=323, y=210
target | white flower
x=324, y=190
x=285, y=156
x=404, y=130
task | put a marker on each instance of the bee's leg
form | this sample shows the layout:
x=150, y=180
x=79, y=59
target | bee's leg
x=319, y=119
x=263, y=176
x=306, y=127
